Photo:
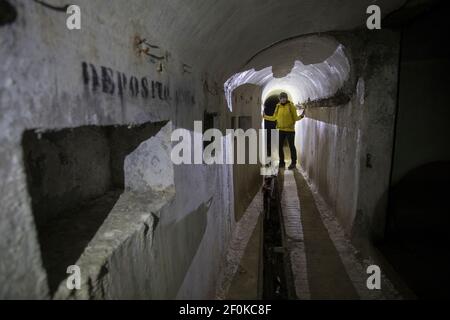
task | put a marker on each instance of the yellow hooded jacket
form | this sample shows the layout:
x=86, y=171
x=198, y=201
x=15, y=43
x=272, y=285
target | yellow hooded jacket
x=285, y=116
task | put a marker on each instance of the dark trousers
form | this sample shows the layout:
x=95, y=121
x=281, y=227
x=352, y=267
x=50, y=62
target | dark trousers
x=290, y=136
x=269, y=142
x=269, y=125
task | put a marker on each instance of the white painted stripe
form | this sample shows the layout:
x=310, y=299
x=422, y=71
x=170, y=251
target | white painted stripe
x=290, y=206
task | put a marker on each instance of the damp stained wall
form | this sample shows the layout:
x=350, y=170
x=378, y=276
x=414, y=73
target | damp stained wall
x=422, y=125
x=54, y=79
x=346, y=150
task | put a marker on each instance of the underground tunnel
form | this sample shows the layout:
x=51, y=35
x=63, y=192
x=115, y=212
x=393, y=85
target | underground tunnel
x=89, y=181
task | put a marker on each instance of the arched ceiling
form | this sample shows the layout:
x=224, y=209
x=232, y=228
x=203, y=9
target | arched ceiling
x=313, y=81
x=220, y=36
x=312, y=49
x=223, y=34
x=224, y=37
x=309, y=67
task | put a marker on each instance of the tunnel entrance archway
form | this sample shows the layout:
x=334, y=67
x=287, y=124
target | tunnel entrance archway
x=315, y=67
x=269, y=105
x=274, y=94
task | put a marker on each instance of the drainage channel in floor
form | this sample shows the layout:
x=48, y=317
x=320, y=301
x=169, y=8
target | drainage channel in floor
x=288, y=245
x=274, y=258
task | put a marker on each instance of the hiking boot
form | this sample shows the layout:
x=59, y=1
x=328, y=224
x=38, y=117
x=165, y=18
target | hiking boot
x=282, y=165
x=292, y=166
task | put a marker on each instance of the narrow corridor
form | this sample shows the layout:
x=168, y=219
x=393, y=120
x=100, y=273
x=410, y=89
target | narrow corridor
x=136, y=154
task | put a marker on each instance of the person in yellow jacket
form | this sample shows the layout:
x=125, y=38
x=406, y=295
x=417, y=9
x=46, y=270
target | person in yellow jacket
x=286, y=115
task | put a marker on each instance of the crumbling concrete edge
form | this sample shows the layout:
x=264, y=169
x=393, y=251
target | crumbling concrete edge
x=240, y=237
x=121, y=224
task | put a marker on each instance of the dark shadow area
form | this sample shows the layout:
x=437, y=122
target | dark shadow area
x=270, y=104
x=8, y=13
x=417, y=238
x=417, y=242
x=269, y=108
x=276, y=275
x=74, y=178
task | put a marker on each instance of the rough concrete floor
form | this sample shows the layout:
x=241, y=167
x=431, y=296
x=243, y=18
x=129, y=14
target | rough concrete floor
x=333, y=269
x=327, y=277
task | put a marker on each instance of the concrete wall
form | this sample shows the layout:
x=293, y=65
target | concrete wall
x=247, y=178
x=345, y=142
x=328, y=143
x=346, y=150
x=423, y=113
x=62, y=172
x=54, y=79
